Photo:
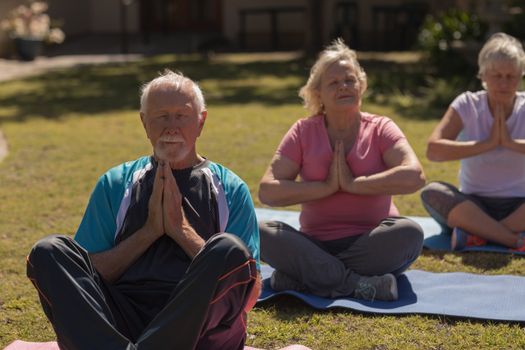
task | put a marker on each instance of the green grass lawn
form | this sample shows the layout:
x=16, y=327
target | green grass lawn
x=66, y=128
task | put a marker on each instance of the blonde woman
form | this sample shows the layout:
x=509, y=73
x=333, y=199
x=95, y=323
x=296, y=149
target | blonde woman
x=352, y=241
x=486, y=131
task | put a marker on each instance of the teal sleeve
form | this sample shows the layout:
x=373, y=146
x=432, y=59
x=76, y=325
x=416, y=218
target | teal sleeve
x=97, y=229
x=242, y=220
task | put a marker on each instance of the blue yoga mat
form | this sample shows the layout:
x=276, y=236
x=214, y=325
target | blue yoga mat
x=498, y=298
x=435, y=239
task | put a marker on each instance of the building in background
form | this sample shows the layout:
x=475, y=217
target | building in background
x=251, y=25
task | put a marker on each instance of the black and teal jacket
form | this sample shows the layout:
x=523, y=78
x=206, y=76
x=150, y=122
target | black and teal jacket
x=214, y=200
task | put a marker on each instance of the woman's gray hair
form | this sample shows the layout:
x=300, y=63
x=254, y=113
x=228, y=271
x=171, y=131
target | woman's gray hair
x=335, y=52
x=501, y=46
x=176, y=81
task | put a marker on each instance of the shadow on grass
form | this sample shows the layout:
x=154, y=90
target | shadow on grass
x=415, y=90
x=85, y=90
x=481, y=260
x=486, y=261
x=96, y=89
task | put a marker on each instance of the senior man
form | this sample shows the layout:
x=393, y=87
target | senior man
x=151, y=265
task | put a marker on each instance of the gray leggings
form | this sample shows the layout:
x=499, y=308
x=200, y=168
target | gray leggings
x=439, y=198
x=332, y=269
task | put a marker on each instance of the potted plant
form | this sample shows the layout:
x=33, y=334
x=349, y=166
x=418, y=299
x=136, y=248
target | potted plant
x=29, y=26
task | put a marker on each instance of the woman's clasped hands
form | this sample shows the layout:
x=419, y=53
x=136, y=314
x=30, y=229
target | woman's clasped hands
x=499, y=134
x=340, y=176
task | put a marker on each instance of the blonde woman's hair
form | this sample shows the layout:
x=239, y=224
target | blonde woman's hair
x=501, y=46
x=176, y=81
x=335, y=52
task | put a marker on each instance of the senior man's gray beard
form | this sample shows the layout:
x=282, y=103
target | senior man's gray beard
x=172, y=149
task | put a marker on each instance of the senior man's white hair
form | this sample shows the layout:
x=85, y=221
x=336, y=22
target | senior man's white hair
x=175, y=80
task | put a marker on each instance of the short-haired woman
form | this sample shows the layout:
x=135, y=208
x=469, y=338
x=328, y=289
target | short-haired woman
x=486, y=131
x=352, y=241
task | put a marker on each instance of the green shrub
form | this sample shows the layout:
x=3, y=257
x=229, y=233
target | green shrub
x=441, y=35
x=440, y=92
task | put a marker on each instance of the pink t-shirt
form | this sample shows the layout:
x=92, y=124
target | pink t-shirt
x=341, y=214
x=499, y=172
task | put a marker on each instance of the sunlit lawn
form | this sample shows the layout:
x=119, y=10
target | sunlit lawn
x=66, y=128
